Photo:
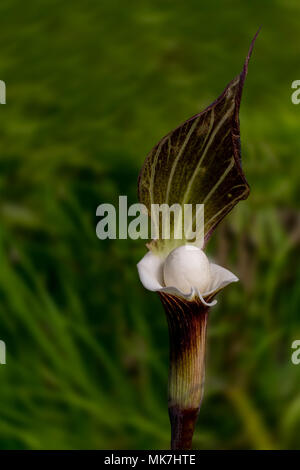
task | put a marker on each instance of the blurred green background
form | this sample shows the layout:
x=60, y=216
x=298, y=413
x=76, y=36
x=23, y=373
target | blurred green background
x=91, y=87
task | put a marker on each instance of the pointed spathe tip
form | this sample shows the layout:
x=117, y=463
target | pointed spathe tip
x=252, y=46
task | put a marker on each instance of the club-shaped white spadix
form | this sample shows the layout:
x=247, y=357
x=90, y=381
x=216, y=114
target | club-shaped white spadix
x=185, y=267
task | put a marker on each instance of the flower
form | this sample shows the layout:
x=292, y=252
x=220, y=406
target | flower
x=151, y=272
x=199, y=162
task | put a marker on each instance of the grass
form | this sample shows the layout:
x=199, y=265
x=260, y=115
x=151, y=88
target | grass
x=90, y=89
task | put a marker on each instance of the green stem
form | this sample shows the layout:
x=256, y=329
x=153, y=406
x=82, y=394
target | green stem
x=187, y=322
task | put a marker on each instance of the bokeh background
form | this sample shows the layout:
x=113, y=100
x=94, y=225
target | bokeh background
x=91, y=87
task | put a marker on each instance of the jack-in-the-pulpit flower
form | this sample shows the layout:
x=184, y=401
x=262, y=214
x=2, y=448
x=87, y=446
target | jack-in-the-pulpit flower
x=197, y=163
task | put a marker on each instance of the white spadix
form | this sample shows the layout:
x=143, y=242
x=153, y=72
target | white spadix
x=187, y=267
